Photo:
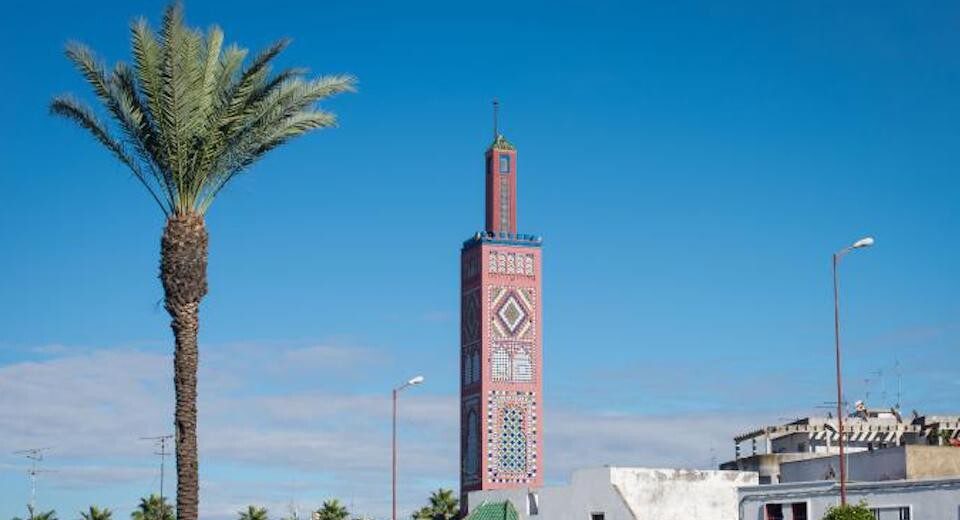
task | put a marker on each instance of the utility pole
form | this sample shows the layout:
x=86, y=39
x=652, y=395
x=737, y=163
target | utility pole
x=161, y=441
x=36, y=456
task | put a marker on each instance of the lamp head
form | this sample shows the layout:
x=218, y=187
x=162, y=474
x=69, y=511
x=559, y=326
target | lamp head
x=415, y=381
x=863, y=242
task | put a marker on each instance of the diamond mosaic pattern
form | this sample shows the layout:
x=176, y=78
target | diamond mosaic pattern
x=512, y=314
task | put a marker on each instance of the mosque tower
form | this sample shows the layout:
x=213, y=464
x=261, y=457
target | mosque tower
x=501, y=361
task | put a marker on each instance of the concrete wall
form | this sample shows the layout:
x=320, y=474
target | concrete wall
x=899, y=463
x=631, y=494
x=767, y=465
x=932, y=462
x=927, y=499
x=671, y=494
x=887, y=464
x=792, y=443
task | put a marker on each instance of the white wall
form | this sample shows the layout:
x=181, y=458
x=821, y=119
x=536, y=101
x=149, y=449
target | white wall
x=632, y=494
x=668, y=494
x=927, y=499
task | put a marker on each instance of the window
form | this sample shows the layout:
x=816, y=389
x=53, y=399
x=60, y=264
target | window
x=472, y=464
x=504, y=205
x=596, y=516
x=773, y=512
x=799, y=510
x=533, y=504
x=504, y=163
x=792, y=511
x=891, y=513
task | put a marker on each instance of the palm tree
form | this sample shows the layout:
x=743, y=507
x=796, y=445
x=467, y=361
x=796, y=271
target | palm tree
x=332, y=510
x=191, y=117
x=95, y=513
x=443, y=506
x=32, y=514
x=153, y=508
x=253, y=513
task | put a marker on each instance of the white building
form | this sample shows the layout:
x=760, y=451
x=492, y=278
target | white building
x=929, y=499
x=612, y=493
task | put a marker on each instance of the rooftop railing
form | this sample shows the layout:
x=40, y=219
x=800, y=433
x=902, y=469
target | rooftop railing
x=504, y=238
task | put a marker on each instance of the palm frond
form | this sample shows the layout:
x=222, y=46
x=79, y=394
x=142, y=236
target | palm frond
x=70, y=108
x=189, y=115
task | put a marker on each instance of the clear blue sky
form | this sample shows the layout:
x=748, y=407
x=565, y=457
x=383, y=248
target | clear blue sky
x=691, y=168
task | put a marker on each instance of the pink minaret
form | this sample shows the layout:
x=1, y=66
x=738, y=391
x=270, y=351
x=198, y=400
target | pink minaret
x=501, y=434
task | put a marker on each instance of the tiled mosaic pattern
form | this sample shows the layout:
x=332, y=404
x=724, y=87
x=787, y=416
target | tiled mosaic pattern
x=502, y=262
x=511, y=437
x=470, y=317
x=471, y=267
x=513, y=312
x=512, y=361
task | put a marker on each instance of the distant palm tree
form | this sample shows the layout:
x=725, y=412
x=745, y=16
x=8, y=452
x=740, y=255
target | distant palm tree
x=34, y=515
x=332, y=510
x=253, y=513
x=191, y=118
x=153, y=508
x=443, y=506
x=95, y=513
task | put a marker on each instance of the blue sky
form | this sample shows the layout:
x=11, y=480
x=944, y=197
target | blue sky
x=691, y=168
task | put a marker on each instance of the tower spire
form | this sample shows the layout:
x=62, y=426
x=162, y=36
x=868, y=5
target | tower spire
x=496, y=118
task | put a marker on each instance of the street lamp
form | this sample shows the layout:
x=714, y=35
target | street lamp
x=396, y=391
x=859, y=244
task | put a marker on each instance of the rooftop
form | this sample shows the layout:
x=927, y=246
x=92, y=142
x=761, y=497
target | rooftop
x=494, y=511
x=489, y=237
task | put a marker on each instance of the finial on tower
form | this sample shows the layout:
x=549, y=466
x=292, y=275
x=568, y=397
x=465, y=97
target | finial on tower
x=496, y=121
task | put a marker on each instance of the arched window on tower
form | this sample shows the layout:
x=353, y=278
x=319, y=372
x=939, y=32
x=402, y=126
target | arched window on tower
x=476, y=365
x=467, y=369
x=472, y=462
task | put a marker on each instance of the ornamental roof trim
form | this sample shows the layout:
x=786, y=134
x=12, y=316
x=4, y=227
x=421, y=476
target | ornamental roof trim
x=501, y=143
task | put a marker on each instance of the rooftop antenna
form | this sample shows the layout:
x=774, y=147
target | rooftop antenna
x=896, y=369
x=496, y=118
x=36, y=456
x=883, y=387
x=866, y=386
x=161, y=442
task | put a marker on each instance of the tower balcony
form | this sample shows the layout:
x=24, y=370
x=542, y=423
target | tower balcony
x=512, y=239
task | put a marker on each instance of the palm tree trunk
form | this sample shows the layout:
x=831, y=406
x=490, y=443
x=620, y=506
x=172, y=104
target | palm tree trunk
x=183, y=271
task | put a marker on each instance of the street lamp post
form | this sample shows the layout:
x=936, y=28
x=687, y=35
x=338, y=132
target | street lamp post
x=396, y=392
x=863, y=242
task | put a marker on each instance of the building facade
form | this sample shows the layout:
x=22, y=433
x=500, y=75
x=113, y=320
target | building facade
x=913, y=462
x=501, y=357
x=621, y=493
x=928, y=499
x=817, y=437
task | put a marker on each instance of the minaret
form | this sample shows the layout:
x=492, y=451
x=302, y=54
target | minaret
x=501, y=430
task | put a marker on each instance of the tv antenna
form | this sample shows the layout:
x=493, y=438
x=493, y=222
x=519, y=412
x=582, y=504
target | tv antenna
x=161, y=442
x=496, y=118
x=897, y=370
x=36, y=457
